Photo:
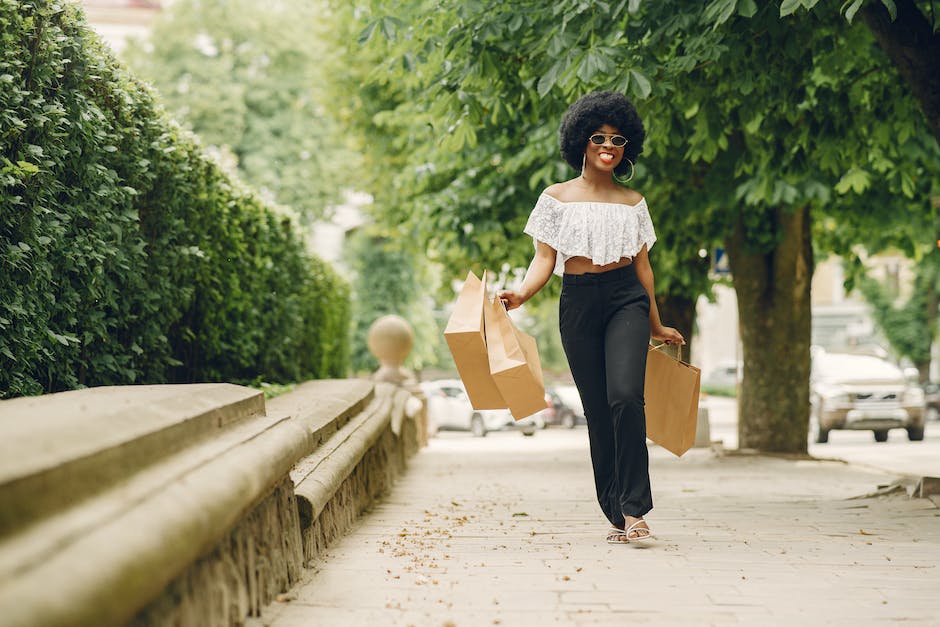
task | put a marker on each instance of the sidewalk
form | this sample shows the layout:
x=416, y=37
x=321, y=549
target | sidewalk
x=505, y=530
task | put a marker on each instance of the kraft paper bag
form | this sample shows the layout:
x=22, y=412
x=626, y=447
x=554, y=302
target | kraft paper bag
x=514, y=362
x=671, y=394
x=467, y=342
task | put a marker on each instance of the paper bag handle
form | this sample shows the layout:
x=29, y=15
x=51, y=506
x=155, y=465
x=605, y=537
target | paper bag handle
x=658, y=346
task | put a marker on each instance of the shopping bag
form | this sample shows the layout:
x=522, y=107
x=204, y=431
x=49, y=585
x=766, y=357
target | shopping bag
x=514, y=362
x=671, y=394
x=467, y=342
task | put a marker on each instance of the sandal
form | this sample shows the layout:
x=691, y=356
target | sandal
x=617, y=536
x=638, y=534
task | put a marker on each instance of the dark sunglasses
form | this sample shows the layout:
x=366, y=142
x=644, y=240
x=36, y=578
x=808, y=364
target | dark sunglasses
x=599, y=138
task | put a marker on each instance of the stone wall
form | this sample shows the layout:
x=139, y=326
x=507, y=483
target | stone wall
x=211, y=532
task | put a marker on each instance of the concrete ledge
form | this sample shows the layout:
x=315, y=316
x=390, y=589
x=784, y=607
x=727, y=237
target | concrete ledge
x=107, y=575
x=206, y=533
x=59, y=449
x=324, y=406
x=317, y=478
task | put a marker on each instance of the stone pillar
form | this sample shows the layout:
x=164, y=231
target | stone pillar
x=390, y=339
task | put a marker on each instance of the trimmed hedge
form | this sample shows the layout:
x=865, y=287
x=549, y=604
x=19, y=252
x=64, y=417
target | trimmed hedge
x=127, y=255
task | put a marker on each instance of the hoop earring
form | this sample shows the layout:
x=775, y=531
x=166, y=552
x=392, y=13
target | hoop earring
x=632, y=172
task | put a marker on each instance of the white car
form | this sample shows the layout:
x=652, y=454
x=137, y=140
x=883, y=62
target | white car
x=449, y=408
x=863, y=392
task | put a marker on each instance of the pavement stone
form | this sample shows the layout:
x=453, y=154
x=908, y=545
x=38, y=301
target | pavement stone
x=505, y=530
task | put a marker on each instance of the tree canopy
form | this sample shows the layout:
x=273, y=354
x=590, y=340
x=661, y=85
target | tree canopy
x=247, y=78
x=763, y=132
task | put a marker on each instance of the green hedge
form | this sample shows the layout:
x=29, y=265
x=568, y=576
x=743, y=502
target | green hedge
x=127, y=255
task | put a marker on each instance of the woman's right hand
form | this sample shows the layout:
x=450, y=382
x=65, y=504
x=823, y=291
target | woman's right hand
x=510, y=298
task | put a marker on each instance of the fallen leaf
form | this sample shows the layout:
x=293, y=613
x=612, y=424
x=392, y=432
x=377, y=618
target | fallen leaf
x=865, y=533
x=520, y=514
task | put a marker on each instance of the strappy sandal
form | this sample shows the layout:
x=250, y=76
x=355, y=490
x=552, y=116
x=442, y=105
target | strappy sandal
x=642, y=534
x=617, y=536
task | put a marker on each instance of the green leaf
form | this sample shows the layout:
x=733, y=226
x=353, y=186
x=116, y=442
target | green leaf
x=642, y=83
x=788, y=7
x=718, y=12
x=550, y=78
x=27, y=168
x=389, y=27
x=856, y=180
x=366, y=34
x=850, y=8
x=747, y=8
x=589, y=66
x=892, y=9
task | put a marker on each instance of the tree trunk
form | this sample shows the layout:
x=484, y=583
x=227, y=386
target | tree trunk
x=913, y=46
x=678, y=312
x=773, y=292
x=923, y=371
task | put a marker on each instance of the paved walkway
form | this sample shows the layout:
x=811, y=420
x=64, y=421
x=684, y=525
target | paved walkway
x=505, y=531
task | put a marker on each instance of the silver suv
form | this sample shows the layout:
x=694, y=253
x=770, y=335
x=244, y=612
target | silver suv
x=866, y=393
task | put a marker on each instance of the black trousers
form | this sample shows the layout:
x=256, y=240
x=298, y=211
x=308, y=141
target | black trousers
x=604, y=322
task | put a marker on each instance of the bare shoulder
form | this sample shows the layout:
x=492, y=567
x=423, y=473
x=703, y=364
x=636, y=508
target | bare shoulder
x=630, y=196
x=564, y=191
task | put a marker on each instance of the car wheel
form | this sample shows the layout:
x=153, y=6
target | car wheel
x=568, y=421
x=822, y=435
x=528, y=432
x=477, y=428
x=881, y=435
x=915, y=434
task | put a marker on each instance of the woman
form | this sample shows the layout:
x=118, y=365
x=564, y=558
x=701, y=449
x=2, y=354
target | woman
x=598, y=234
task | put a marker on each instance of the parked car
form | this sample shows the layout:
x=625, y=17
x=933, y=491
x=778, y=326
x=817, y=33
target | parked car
x=723, y=379
x=567, y=405
x=866, y=393
x=449, y=409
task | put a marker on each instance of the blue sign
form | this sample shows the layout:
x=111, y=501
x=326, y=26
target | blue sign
x=720, y=262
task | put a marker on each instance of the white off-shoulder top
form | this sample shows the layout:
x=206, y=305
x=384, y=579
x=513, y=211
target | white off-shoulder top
x=601, y=231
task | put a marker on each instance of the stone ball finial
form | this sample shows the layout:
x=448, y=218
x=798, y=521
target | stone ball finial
x=390, y=339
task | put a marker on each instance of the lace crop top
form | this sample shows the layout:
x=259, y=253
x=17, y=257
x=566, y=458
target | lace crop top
x=601, y=231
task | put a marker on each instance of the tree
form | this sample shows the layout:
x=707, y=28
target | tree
x=910, y=327
x=389, y=281
x=908, y=37
x=758, y=129
x=247, y=79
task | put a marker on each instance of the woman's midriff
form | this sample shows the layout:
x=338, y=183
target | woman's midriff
x=583, y=265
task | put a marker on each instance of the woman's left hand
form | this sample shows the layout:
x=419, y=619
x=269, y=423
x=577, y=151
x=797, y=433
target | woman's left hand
x=667, y=335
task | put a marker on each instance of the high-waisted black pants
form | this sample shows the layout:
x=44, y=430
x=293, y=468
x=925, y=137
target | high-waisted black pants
x=605, y=330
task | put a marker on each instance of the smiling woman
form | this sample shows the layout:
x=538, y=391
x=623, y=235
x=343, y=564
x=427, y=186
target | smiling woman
x=602, y=114
x=597, y=234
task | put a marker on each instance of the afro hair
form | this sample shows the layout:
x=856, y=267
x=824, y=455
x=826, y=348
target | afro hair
x=592, y=111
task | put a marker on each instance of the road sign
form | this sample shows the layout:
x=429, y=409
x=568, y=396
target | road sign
x=720, y=262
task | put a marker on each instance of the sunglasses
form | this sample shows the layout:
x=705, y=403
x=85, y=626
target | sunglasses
x=599, y=138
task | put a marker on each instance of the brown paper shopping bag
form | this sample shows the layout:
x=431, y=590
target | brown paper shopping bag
x=671, y=394
x=514, y=362
x=467, y=342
